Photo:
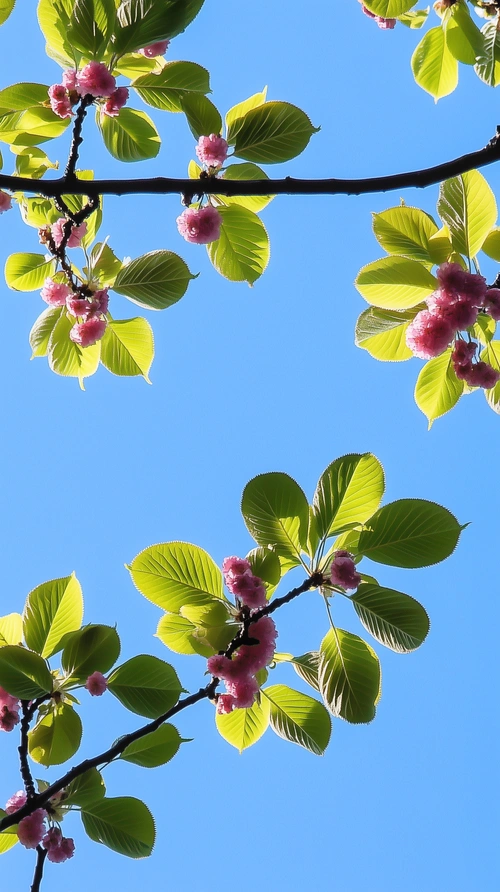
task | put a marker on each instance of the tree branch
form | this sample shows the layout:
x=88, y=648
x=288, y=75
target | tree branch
x=39, y=800
x=41, y=855
x=28, y=713
x=77, y=139
x=287, y=186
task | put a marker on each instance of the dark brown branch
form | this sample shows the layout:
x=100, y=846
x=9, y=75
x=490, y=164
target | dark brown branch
x=41, y=855
x=243, y=636
x=286, y=186
x=28, y=713
x=77, y=139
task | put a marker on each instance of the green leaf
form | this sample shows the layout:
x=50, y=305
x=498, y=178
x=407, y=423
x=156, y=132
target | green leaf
x=244, y=727
x=349, y=676
x=178, y=634
x=91, y=25
x=130, y=136
x=154, y=281
x=146, y=685
x=395, y=283
x=265, y=564
x=382, y=333
x=491, y=355
x=9, y=837
x=145, y=21
x=32, y=162
x=53, y=18
x=488, y=64
x=434, y=68
x=484, y=329
x=348, y=491
x=165, y=89
x=155, y=749
x=105, y=264
x=414, y=19
x=94, y=648
x=299, y=718
x=389, y=9
x=52, y=610
x=271, y=133
x=27, y=128
x=11, y=629
x=85, y=789
x=67, y=358
x=438, y=389
x=201, y=114
x=176, y=573
x=123, y=824
x=276, y=513
x=37, y=211
x=410, y=533
x=20, y=97
x=127, y=347
x=134, y=65
x=245, y=171
x=27, y=272
x=241, y=254
x=396, y=620
x=440, y=246
x=491, y=244
x=467, y=205
x=238, y=112
x=23, y=673
x=463, y=38
x=6, y=7
x=406, y=231
x=307, y=668
x=56, y=736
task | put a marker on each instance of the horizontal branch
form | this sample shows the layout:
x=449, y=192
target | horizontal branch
x=39, y=800
x=288, y=186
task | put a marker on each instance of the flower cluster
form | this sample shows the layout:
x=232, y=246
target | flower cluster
x=9, y=711
x=212, y=150
x=343, y=571
x=95, y=80
x=90, y=309
x=454, y=307
x=385, y=24
x=32, y=830
x=155, y=49
x=200, y=225
x=239, y=672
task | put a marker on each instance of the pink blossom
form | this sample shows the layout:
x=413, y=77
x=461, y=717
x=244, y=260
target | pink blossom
x=9, y=711
x=87, y=333
x=222, y=667
x=77, y=233
x=100, y=301
x=95, y=79
x=115, y=102
x=225, y=704
x=200, y=225
x=460, y=310
x=482, y=374
x=60, y=102
x=252, y=657
x=79, y=306
x=55, y=294
x=428, y=335
x=453, y=278
x=244, y=691
x=235, y=566
x=31, y=829
x=461, y=357
x=343, y=571
x=69, y=79
x=381, y=22
x=249, y=589
x=96, y=684
x=15, y=802
x=5, y=201
x=212, y=150
x=59, y=848
x=155, y=49
x=492, y=303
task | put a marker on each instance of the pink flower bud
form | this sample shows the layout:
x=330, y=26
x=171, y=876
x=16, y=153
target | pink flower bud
x=212, y=150
x=88, y=333
x=96, y=684
x=9, y=711
x=244, y=691
x=15, y=802
x=481, y=374
x=59, y=848
x=155, y=49
x=461, y=357
x=235, y=566
x=31, y=829
x=115, y=102
x=100, y=301
x=69, y=79
x=60, y=102
x=225, y=704
x=343, y=572
x=429, y=335
x=492, y=303
x=95, y=79
x=55, y=294
x=77, y=233
x=5, y=202
x=200, y=225
x=250, y=590
x=79, y=306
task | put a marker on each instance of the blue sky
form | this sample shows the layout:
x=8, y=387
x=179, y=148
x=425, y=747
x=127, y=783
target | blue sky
x=247, y=381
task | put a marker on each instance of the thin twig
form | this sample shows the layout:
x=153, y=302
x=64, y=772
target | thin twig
x=287, y=186
x=29, y=785
x=69, y=173
x=41, y=855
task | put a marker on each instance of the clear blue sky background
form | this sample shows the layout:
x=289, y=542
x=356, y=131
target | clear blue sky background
x=247, y=381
